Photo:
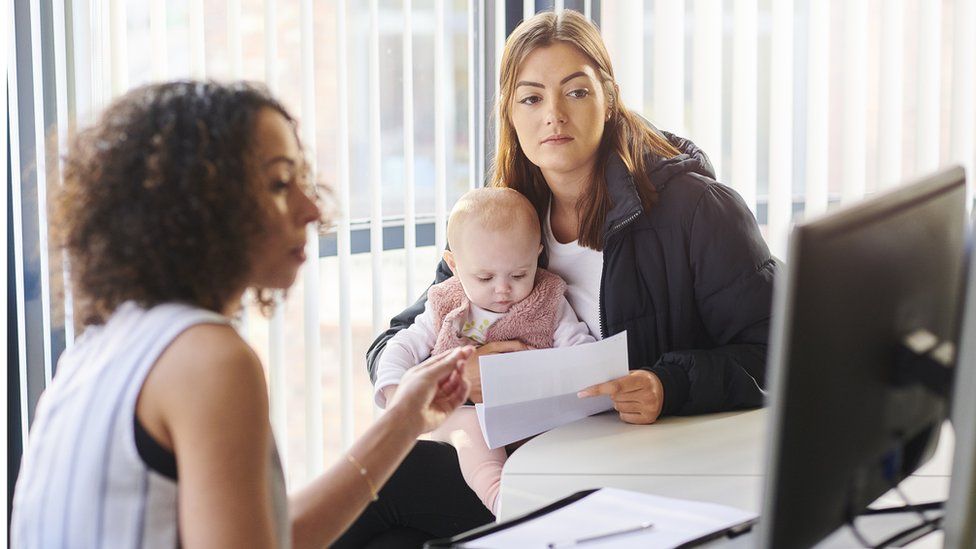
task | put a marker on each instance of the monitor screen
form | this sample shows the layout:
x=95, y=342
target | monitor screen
x=843, y=430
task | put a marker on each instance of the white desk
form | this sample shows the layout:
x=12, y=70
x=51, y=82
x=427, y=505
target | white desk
x=716, y=458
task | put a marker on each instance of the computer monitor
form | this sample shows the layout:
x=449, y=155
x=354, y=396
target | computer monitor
x=843, y=429
x=960, y=512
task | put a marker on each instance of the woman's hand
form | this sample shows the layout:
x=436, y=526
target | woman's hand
x=638, y=396
x=472, y=367
x=428, y=393
x=329, y=504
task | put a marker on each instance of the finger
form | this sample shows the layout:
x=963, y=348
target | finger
x=454, y=397
x=630, y=388
x=434, y=358
x=629, y=407
x=449, y=383
x=438, y=378
x=459, y=395
x=636, y=419
x=459, y=354
x=640, y=389
x=611, y=387
x=642, y=397
x=445, y=364
x=641, y=394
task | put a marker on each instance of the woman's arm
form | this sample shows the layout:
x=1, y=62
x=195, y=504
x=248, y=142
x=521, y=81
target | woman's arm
x=733, y=283
x=427, y=394
x=206, y=400
x=325, y=507
x=732, y=272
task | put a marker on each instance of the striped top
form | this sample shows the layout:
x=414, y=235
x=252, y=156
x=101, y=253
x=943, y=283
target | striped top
x=82, y=482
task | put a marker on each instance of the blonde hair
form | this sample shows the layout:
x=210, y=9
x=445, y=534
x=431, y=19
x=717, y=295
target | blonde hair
x=625, y=133
x=492, y=209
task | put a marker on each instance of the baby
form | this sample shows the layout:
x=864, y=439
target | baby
x=497, y=294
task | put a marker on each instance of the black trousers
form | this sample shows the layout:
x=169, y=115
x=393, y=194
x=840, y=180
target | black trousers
x=425, y=498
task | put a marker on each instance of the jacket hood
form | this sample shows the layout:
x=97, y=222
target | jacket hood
x=691, y=160
x=620, y=182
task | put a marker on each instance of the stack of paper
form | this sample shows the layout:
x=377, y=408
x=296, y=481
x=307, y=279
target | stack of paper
x=621, y=519
x=530, y=392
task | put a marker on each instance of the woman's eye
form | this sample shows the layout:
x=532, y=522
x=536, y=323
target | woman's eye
x=279, y=185
x=530, y=100
x=580, y=93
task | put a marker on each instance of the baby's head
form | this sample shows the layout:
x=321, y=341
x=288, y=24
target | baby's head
x=495, y=241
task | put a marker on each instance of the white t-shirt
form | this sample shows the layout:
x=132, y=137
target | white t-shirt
x=413, y=345
x=582, y=269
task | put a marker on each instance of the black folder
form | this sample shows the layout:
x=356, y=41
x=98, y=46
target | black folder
x=487, y=529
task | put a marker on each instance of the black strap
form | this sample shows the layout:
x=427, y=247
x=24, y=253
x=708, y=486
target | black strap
x=155, y=457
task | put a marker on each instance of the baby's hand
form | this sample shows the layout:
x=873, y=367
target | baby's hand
x=472, y=367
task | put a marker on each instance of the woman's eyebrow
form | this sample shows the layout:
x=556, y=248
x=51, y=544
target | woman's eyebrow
x=576, y=74
x=280, y=158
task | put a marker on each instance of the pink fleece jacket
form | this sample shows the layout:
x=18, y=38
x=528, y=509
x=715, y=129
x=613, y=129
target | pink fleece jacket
x=531, y=321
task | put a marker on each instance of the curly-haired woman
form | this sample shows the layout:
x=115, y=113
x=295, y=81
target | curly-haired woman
x=155, y=430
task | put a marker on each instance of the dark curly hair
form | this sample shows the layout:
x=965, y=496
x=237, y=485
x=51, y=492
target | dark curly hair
x=159, y=201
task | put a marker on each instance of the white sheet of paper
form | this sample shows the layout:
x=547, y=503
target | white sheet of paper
x=529, y=392
x=673, y=522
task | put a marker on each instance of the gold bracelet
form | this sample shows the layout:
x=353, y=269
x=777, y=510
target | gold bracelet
x=365, y=474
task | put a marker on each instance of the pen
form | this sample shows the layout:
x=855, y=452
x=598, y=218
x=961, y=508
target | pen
x=603, y=536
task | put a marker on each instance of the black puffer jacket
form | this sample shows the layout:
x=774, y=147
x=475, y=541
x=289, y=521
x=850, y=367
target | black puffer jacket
x=691, y=281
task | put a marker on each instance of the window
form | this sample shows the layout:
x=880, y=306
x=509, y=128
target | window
x=801, y=104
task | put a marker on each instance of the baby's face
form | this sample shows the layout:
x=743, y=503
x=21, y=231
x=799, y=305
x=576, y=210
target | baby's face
x=496, y=268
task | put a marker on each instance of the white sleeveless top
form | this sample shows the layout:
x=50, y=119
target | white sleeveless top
x=82, y=482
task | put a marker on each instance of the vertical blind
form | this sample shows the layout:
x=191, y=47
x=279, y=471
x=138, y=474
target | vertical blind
x=802, y=105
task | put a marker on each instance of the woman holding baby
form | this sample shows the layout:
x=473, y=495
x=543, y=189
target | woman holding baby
x=645, y=239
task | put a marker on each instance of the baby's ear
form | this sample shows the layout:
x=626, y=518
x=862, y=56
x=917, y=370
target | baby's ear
x=449, y=259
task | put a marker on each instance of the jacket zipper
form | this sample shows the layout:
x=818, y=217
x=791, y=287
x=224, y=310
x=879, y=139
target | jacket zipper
x=603, y=274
